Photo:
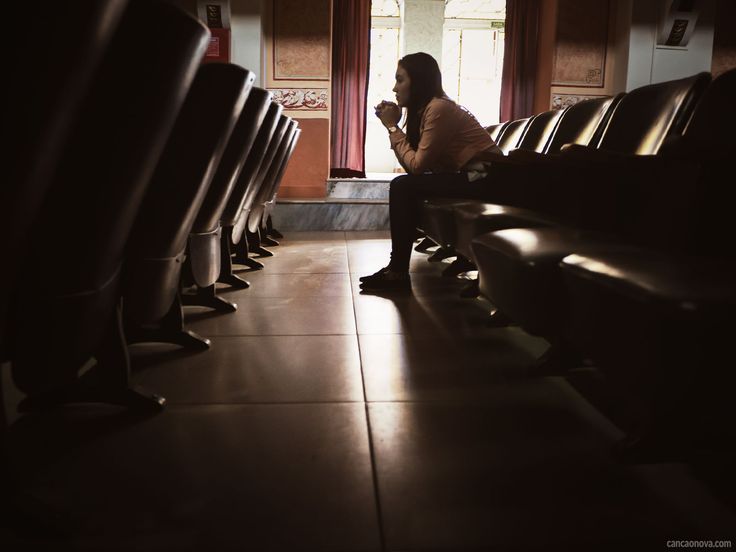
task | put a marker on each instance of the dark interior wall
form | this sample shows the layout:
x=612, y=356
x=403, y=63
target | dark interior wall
x=724, y=39
x=187, y=5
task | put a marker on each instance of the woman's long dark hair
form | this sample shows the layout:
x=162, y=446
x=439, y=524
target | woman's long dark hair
x=425, y=83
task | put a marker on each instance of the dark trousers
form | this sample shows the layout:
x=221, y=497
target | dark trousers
x=406, y=195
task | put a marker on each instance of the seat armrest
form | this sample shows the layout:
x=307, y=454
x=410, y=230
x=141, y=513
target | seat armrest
x=683, y=282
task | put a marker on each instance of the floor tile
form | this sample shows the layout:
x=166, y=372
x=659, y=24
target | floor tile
x=528, y=470
x=309, y=257
x=308, y=236
x=368, y=235
x=276, y=316
x=403, y=368
x=254, y=370
x=399, y=312
x=429, y=283
x=264, y=283
x=367, y=256
x=265, y=444
x=257, y=477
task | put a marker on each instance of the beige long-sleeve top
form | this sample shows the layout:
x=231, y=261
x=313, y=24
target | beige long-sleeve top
x=450, y=138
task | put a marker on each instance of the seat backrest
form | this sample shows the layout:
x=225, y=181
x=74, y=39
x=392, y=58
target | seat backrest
x=539, y=130
x=648, y=115
x=270, y=183
x=711, y=127
x=583, y=123
x=98, y=187
x=239, y=148
x=279, y=161
x=252, y=167
x=255, y=188
x=208, y=217
x=179, y=186
x=495, y=130
x=277, y=147
x=511, y=134
x=709, y=141
x=280, y=174
x=45, y=80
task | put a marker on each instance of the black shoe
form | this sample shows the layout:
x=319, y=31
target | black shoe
x=387, y=281
x=374, y=275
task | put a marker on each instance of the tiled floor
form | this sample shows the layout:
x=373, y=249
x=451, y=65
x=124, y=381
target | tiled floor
x=324, y=419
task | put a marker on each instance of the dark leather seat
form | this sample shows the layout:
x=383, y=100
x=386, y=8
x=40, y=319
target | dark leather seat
x=455, y=222
x=539, y=131
x=437, y=221
x=194, y=152
x=251, y=241
x=659, y=326
x=45, y=81
x=91, y=205
x=512, y=133
x=205, y=253
x=582, y=123
x=269, y=187
x=657, y=317
x=248, y=182
x=615, y=206
x=494, y=131
x=271, y=203
x=233, y=165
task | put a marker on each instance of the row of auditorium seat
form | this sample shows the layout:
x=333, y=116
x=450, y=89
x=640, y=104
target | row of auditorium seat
x=606, y=231
x=136, y=169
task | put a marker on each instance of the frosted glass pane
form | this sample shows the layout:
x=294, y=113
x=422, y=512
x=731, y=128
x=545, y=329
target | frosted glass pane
x=384, y=58
x=475, y=9
x=477, y=54
x=451, y=63
x=385, y=8
x=480, y=73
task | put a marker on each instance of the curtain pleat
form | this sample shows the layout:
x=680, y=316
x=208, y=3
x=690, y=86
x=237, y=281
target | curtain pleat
x=520, y=59
x=351, y=24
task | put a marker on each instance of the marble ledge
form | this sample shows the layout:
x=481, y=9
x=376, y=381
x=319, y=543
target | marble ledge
x=297, y=215
x=357, y=189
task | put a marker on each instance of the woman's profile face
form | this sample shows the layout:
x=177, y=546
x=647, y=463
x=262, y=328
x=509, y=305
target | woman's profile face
x=401, y=88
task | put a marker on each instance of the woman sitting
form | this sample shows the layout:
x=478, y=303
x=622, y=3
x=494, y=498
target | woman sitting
x=443, y=149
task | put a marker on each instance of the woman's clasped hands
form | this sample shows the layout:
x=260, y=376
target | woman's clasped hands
x=389, y=113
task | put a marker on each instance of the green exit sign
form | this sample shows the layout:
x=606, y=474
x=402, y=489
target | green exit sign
x=498, y=24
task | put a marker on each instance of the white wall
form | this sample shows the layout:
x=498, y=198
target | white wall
x=245, y=17
x=649, y=63
x=673, y=63
x=621, y=42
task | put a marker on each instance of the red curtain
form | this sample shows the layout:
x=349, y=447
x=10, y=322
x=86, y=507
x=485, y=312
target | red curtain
x=351, y=24
x=520, y=59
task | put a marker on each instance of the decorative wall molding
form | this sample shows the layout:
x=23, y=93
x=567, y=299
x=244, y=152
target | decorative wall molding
x=301, y=40
x=582, y=39
x=561, y=101
x=301, y=99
